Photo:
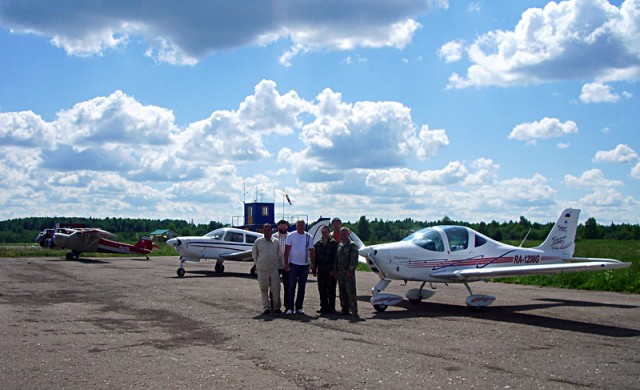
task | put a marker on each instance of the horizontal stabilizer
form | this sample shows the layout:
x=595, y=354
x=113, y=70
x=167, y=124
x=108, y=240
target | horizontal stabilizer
x=543, y=269
x=238, y=256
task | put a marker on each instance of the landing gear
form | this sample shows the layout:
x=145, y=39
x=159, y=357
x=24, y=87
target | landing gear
x=219, y=268
x=181, y=270
x=478, y=301
x=253, y=272
x=416, y=295
x=73, y=255
x=380, y=308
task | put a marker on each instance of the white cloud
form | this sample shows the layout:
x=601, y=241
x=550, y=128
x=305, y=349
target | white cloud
x=451, y=51
x=545, y=128
x=598, y=93
x=593, y=178
x=182, y=34
x=564, y=40
x=620, y=154
x=635, y=171
x=25, y=129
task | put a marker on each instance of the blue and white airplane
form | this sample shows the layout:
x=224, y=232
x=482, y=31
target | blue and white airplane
x=458, y=254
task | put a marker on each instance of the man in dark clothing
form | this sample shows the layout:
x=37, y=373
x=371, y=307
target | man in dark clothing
x=346, y=263
x=326, y=252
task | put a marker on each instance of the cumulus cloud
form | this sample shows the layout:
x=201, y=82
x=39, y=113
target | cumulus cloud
x=545, y=128
x=451, y=51
x=564, y=40
x=179, y=34
x=620, y=154
x=635, y=171
x=590, y=179
x=598, y=93
x=25, y=129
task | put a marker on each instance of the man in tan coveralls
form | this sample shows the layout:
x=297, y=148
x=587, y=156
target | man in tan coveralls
x=265, y=254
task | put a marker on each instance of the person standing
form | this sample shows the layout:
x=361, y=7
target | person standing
x=265, y=255
x=346, y=263
x=336, y=223
x=299, y=255
x=281, y=235
x=326, y=252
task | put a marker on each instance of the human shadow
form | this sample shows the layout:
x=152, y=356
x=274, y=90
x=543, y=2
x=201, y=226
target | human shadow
x=214, y=274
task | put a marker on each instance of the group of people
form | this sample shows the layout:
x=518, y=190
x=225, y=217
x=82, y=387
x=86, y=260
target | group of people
x=290, y=256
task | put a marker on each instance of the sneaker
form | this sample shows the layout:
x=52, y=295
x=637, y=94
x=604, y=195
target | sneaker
x=299, y=311
x=288, y=312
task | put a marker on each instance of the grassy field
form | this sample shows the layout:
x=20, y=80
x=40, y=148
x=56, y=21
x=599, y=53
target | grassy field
x=625, y=280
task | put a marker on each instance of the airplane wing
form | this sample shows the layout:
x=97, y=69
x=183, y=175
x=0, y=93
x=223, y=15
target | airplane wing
x=587, y=264
x=238, y=256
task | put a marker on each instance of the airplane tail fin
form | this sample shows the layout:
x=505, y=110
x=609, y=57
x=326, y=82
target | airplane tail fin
x=561, y=239
x=144, y=244
x=315, y=229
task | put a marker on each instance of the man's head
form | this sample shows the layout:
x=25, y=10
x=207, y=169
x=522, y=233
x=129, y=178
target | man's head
x=336, y=222
x=300, y=226
x=283, y=226
x=345, y=234
x=325, y=232
x=266, y=230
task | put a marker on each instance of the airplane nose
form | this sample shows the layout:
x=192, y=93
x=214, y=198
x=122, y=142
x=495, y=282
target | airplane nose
x=173, y=242
x=367, y=252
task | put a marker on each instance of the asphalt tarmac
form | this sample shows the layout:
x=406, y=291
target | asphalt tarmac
x=131, y=323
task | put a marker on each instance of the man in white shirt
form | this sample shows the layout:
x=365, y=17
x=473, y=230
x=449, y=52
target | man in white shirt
x=299, y=255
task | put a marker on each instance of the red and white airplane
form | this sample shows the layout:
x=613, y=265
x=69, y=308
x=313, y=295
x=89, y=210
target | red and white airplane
x=80, y=239
x=458, y=254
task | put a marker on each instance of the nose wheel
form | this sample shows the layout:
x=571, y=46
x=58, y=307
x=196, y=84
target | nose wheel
x=180, y=272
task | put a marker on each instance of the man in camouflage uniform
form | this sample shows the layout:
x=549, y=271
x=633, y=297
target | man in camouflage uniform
x=326, y=251
x=345, y=268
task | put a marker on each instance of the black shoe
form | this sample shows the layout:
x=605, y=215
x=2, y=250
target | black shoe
x=344, y=312
x=266, y=312
x=277, y=311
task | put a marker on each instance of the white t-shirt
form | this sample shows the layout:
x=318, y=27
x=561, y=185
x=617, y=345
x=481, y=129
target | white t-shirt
x=300, y=245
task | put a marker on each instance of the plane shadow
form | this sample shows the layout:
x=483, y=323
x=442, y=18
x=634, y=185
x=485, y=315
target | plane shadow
x=81, y=260
x=513, y=315
x=214, y=274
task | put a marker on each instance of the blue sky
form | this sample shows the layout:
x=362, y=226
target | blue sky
x=477, y=110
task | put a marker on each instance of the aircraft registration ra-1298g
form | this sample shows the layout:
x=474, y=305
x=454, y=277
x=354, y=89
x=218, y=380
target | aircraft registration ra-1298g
x=458, y=254
x=225, y=244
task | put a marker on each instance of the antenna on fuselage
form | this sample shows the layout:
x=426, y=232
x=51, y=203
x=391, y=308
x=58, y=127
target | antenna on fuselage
x=525, y=237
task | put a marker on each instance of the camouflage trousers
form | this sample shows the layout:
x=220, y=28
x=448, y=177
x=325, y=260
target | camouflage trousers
x=348, y=297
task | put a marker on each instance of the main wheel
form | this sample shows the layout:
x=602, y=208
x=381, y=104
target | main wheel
x=180, y=272
x=253, y=272
x=69, y=256
x=219, y=268
x=415, y=301
x=380, y=308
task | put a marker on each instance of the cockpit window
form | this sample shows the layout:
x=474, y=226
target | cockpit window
x=234, y=237
x=216, y=234
x=251, y=238
x=428, y=239
x=457, y=236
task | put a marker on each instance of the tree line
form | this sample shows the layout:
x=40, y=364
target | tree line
x=25, y=230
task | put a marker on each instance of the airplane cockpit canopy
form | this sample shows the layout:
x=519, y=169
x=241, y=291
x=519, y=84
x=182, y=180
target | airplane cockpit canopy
x=429, y=239
x=233, y=236
x=433, y=239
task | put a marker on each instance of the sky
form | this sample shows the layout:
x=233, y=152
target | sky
x=475, y=110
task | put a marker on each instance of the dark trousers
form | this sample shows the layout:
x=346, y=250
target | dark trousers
x=327, y=290
x=348, y=297
x=298, y=275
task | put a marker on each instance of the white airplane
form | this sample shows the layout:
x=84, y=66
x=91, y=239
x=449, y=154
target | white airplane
x=458, y=254
x=224, y=244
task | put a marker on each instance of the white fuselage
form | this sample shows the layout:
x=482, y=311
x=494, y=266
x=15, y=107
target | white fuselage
x=214, y=244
